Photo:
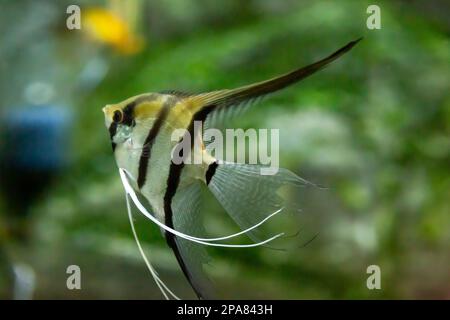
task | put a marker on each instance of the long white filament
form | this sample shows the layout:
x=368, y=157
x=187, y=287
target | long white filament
x=206, y=241
x=246, y=230
x=161, y=285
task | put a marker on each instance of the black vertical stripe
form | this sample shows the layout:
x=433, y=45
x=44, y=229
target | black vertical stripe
x=128, y=114
x=173, y=181
x=211, y=171
x=112, y=132
x=148, y=144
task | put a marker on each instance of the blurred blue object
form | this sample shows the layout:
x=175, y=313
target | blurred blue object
x=36, y=138
x=33, y=152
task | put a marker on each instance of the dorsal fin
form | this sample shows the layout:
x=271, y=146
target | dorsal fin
x=177, y=93
x=225, y=98
x=221, y=104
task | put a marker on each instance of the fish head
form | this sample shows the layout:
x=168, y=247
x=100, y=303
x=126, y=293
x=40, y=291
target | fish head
x=131, y=118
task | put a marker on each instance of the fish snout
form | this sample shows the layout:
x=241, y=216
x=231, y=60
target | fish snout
x=105, y=109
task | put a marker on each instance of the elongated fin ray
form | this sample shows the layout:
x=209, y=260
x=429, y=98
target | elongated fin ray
x=204, y=241
x=161, y=285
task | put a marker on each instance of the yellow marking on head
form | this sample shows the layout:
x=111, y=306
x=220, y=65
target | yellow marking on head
x=141, y=110
x=109, y=109
x=148, y=109
x=148, y=106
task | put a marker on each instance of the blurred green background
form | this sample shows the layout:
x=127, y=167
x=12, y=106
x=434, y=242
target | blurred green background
x=374, y=128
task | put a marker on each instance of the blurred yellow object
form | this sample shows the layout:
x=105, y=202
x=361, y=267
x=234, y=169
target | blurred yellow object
x=106, y=27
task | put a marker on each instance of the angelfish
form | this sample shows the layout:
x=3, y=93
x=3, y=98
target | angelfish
x=140, y=130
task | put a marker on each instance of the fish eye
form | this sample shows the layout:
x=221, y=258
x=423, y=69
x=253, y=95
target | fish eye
x=117, y=116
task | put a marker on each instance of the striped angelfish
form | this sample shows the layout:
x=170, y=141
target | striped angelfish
x=141, y=130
